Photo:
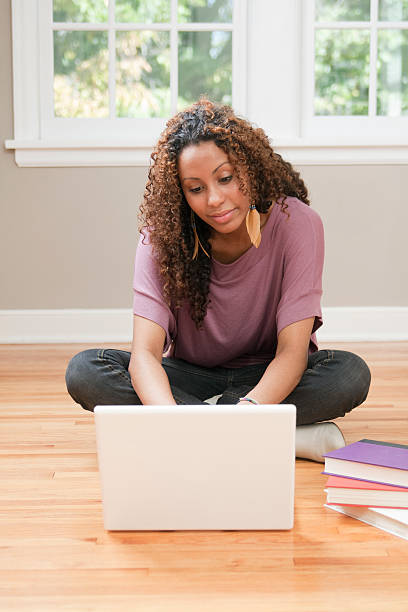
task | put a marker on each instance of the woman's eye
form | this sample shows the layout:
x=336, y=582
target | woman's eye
x=223, y=179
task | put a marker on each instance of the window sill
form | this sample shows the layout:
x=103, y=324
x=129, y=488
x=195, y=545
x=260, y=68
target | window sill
x=45, y=154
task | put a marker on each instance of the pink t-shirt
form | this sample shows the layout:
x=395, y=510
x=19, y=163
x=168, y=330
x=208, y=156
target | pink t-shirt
x=252, y=299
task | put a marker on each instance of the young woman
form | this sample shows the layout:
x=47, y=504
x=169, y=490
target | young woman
x=227, y=287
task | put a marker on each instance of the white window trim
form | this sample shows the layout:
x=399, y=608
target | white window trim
x=272, y=93
x=349, y=130
x=41, y=140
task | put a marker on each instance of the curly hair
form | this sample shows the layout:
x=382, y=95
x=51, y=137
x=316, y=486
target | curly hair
x=262, y=174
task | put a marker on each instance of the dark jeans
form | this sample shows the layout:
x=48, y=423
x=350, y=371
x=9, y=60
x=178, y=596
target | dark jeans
x=333, y=383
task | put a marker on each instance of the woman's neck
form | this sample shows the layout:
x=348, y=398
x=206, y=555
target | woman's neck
x=227, y=248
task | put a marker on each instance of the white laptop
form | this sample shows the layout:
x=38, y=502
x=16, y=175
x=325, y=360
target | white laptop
x=197, y=467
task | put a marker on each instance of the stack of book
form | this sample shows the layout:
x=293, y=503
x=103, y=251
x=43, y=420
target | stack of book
x=368, y=480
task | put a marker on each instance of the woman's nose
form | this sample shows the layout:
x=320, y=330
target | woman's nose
x=214, y=196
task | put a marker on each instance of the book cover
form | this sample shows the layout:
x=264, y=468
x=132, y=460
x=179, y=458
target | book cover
x=347, y=491
x=391, y=520
x=354, y=483
x=384, y=454
x=370, y=460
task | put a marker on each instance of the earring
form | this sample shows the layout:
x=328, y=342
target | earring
x=253, y=224
x=196, y=238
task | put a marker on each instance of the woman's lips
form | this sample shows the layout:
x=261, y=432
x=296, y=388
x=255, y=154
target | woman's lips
x=223, y=217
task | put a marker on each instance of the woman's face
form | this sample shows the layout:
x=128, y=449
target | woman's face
x=211, y=187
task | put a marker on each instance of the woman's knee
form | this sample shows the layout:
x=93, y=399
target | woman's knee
x=356, y=377
x=80, y=371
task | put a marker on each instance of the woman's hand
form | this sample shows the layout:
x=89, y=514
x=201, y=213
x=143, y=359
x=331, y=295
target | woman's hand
x=285, y=371
x=148, y=377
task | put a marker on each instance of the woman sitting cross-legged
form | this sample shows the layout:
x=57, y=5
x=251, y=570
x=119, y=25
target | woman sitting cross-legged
x=227, y=287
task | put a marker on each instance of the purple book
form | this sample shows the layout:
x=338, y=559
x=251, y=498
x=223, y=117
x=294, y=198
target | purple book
x=371, y=460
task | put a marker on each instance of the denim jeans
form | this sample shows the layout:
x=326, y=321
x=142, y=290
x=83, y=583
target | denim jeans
x=333, y=383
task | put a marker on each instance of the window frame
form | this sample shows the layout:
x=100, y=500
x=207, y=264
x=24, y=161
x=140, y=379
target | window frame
x=40, y=139
x=113, y=127
x=278, y=100
x=372, y=129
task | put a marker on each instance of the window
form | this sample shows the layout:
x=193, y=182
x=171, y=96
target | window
x=356, y=59
x=95, y=81
x=137, y=59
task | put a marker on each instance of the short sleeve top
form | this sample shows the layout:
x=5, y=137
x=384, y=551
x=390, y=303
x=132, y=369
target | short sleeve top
x=251, y=299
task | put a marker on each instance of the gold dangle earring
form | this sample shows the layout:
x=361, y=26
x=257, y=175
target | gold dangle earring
x=196, y=238
x=253, y=224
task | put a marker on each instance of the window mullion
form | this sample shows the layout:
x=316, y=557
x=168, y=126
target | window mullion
x=205, y=27
x=341, y=25
x=306, y=109
x=239, y=56
x=71, y=26
x=372, y=92
x=112, y=59
x=46, y=61
x=173, y=58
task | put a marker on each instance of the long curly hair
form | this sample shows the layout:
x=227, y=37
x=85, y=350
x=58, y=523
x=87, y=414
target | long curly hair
x=262, y=174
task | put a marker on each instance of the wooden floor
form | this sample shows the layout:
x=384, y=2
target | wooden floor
x=55, y=554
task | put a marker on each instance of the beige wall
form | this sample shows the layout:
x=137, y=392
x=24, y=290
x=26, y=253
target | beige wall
x=68, y=235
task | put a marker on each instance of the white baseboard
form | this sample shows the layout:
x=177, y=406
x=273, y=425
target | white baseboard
x=364, y=324
x=65, y=325
x=340, y=324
